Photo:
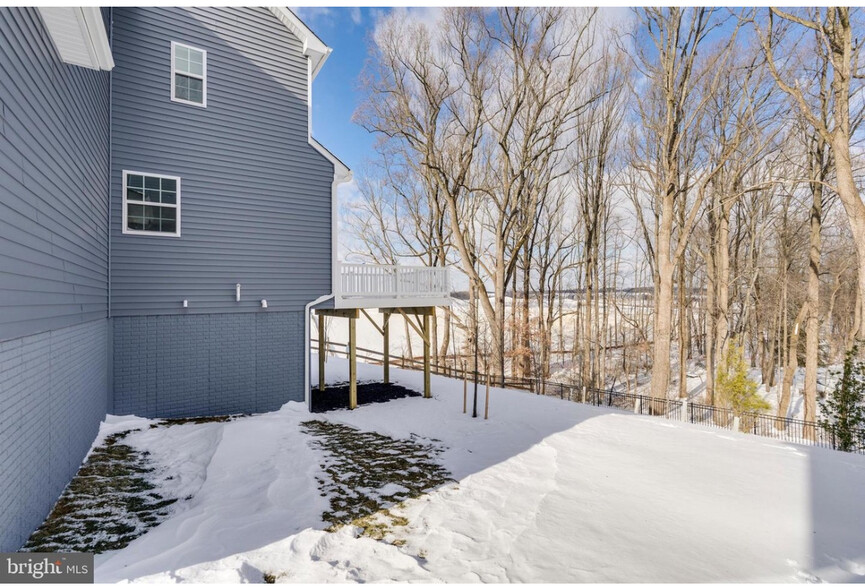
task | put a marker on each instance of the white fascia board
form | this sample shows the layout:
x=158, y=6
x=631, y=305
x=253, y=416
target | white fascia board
x=341, y=172
x=313, y=47
x=78, y=33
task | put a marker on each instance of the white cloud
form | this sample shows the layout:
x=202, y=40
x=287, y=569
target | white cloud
x=427, y=16
x=310, y=14
x=322, y=16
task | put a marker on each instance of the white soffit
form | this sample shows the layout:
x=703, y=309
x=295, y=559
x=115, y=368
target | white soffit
x=313, y=47
x=78, y=33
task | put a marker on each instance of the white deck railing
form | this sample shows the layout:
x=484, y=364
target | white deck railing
x=360, y=280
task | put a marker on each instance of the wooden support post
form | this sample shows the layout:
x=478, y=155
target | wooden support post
x=426, y=339
x=322, y=349
x=352, y=363
x=386, y=346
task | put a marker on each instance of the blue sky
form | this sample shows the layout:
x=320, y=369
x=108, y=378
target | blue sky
x=334, y=92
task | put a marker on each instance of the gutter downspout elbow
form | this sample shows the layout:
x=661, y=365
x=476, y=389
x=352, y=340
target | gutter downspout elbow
x=307, y=346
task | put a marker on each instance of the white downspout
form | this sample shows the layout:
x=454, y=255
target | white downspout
x=307, y=345
x=334, y=236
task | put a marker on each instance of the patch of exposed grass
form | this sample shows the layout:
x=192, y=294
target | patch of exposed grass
x=111, y=501
x=197, y=420
x=366, y=474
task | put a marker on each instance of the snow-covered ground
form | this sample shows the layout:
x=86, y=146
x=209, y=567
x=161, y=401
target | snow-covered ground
x=547, y=491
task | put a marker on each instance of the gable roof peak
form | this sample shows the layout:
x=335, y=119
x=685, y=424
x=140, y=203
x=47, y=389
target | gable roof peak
x=313, y=47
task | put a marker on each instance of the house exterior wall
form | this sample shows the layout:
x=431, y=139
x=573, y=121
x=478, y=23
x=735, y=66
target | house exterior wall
x=256, y=197
x=255, y=210
x=87, y=310
x=54, y=133
x=53, y=179
x=207, y=364
x=53, y=394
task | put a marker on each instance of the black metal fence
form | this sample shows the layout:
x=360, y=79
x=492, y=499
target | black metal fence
x=764, y=425
x=712, y=416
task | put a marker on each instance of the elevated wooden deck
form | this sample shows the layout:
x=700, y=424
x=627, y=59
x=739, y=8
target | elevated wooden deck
x=360, y=285
x=420, y=324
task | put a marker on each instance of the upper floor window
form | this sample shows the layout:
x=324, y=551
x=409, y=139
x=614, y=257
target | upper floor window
x=188, y=74
x=151, y=204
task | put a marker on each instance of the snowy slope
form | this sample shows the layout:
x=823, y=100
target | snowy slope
x=548, y=491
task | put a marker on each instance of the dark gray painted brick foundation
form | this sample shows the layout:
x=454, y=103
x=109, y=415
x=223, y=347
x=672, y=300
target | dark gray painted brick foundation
x=210, y=364
x=53, y=395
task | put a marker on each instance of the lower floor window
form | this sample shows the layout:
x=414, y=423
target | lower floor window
x=151, y=204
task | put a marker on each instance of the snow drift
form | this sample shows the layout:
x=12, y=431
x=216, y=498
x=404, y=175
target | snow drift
x=548, y=491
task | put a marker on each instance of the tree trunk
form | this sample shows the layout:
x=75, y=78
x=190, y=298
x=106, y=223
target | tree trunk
x=524, y=354
x=855, y=209
x=812, y=331
x=792, y=364
x=662, y=330
x=588, y=322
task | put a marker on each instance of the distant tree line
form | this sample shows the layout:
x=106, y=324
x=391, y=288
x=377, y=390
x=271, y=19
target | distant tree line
x=560, y=156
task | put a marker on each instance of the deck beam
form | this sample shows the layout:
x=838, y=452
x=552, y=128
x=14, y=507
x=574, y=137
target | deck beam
x=416, y=310
x=338, y=312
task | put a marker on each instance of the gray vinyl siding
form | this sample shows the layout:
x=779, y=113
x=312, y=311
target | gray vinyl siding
x=211, y=364
x=53, y=394
x=54, y=171
x=256, y=197
x=54, y=132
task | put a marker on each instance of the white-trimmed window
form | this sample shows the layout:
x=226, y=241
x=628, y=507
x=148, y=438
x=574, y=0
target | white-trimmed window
x=188, y=74
x=151, y=204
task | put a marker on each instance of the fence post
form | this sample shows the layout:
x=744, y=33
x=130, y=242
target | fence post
x=561, y=391
x=736, y=423
x=584, y=393
x=685, y=409
x=638, y=404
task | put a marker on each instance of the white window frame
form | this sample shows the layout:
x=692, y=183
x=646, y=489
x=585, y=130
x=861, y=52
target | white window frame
x=203, y=77
x=176, y=205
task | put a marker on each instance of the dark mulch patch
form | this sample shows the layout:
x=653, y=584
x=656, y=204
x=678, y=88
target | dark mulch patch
x=336, y=397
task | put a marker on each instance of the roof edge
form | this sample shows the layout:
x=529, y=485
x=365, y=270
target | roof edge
x=341, y=171
x=68, y=24
x=313, y=46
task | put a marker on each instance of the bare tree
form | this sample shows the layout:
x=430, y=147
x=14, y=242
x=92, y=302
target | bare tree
x=592, y=179
x=833, y=27
x=672, y=110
